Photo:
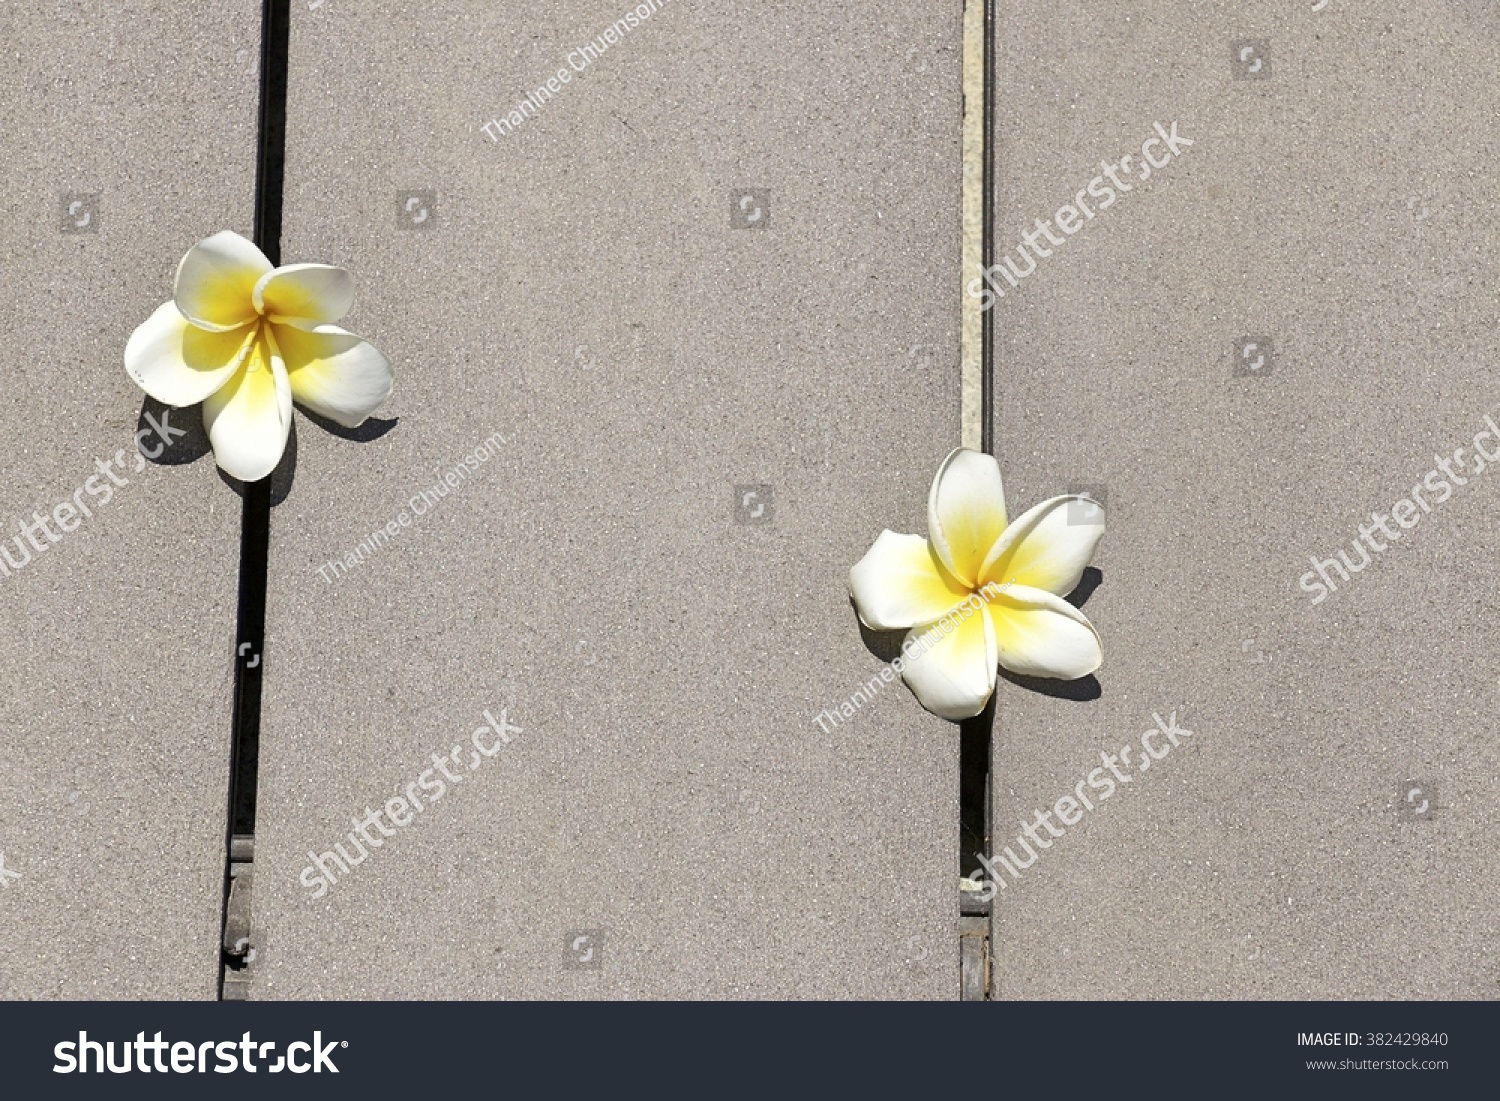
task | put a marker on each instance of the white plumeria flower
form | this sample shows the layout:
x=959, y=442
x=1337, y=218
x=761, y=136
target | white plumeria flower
x=979, y=592
x=245, y=339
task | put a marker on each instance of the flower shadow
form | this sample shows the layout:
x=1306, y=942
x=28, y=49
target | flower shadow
x=1083, y=689
x=885, y=645
x=372, y=429
x=1092, y=578
x=281, y=478
x=167, y=442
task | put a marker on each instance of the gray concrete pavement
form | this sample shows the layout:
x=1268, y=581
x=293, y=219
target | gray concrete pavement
x=127, y=133
x=670, y=821
x=1328, y=829
x=675, y=337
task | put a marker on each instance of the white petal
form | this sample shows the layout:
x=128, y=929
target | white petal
x=307, y=293
x=178, y=363
x=216, y=281
x=249, y=420
x=950, y=665
x=900, y=583
x=334, y=373
x=1048, y=546
x=1042, y=635
x=966, y=512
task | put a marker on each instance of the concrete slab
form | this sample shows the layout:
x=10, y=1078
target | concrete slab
x=127, y=133
x=1327, y=830
x=707, y=297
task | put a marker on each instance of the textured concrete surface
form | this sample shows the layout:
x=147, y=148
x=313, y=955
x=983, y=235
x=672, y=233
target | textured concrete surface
x=1328, y=829
x=578, y=288
x=116, y=640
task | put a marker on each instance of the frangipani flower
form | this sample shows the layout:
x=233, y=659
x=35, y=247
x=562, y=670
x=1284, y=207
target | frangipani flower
x=245, y=339
x=980, y=592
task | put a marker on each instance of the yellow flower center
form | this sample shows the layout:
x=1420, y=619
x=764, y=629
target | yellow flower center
x=255, y=360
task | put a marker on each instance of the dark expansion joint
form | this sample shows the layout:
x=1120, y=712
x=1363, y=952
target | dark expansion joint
x=975, y=897
x=974, y=893
x=237, y=944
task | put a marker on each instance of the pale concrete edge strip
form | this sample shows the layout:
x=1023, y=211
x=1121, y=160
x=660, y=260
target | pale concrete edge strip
x=971, y=347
